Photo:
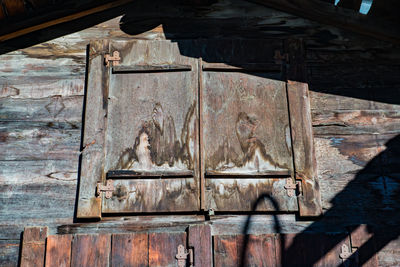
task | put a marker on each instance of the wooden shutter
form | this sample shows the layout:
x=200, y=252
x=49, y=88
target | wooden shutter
x=171, y=136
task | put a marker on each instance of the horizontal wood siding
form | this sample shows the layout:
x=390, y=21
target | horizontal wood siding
x=354, y=87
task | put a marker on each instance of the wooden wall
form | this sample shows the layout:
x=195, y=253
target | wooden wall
x=355, y=93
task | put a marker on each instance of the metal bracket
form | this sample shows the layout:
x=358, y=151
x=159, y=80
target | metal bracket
x=108, y=189
x=345, y=252
x=114, y=59
x=182, y=256
x=291, y=187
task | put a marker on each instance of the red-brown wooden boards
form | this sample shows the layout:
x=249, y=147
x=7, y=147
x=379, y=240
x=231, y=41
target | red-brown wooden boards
x=303, y=148
x=199, y=238
x=58, y=250
x=163, y=248
x=89, y=205
x=33, y=246
x=91, y=250
x=130, y=250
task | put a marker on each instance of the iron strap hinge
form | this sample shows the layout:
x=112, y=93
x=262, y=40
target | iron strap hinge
x=183, y=255
x=114, y=59
x=292, y=188
x=108, y=189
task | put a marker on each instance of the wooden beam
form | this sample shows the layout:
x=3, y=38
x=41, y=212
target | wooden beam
x=62, y=19
x=383, y=28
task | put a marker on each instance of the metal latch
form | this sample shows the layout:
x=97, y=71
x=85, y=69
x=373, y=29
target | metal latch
x=182, y=256
x=292, y=187
x=108, y=188
x=114, y=59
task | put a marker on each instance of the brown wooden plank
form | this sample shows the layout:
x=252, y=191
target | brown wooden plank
x=91, y=250
x=58, y=250
x=33, y=246
x=151, y=68
x=153, y=195
x=200, y=240
x=89, y=206
x=361, y=237
x=163, y=248
x=130, y=250
x=310, y=249
x=225, y=251
x=303, y=149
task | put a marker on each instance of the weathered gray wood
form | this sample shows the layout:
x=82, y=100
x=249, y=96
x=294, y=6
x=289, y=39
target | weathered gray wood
x=51, y=109
x=9, y=252
x=39, y=140
x=303, y=149
x=153, y=195
x=89, y=205
x=239, y=194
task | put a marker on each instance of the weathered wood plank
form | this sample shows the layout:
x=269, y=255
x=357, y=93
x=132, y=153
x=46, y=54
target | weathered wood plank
x=163, y=248
x=225, y=251
x=303, y=149
x=199, y=238
x=353, y=122
x=91, y=250
x=33, y=246
x=130, y=250
x=238, y=194
x=358, y=238
x=58, y=250
x=259, y=250
x=310, y=249
x=63, y=172
x=138, y=195
x=51, y=109
x=39, y=140
x=89, y=206
x=9, y=252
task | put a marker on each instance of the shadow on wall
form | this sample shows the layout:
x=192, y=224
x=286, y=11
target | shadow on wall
x=372, y=198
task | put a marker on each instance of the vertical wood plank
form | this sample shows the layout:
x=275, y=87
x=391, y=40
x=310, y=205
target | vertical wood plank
x=260, y=250
x=58, y=250
x=89, y=206
x=361, y=238
x=303, y=149
x=91, y=250
x=200, y=240
x=130, y=250
x=163, y=248
x=225, y=251
x=33, y=246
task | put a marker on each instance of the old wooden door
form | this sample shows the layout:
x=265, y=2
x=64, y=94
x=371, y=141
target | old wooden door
x=151, y=141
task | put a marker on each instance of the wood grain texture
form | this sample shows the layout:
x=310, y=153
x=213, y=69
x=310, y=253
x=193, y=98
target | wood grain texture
x=238, y=194
x=91, y=250
x=89, y=206
x=303, y=149
x=359, y=237
x=163, y=248
x=130, y=250
x=153, y=195
x=199, y=238
x=58, y=250
x=33, y=246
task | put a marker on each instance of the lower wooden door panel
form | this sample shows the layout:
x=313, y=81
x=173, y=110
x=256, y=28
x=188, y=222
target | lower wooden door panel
x=160, y=248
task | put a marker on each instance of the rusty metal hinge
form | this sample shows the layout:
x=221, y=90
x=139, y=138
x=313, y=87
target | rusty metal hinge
x=108, y=189
x=114, y=59
x=183, y=255
x=291, y=187
x=349, y=257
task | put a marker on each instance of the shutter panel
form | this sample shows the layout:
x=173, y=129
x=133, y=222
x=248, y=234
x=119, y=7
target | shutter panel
x=152, y=130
